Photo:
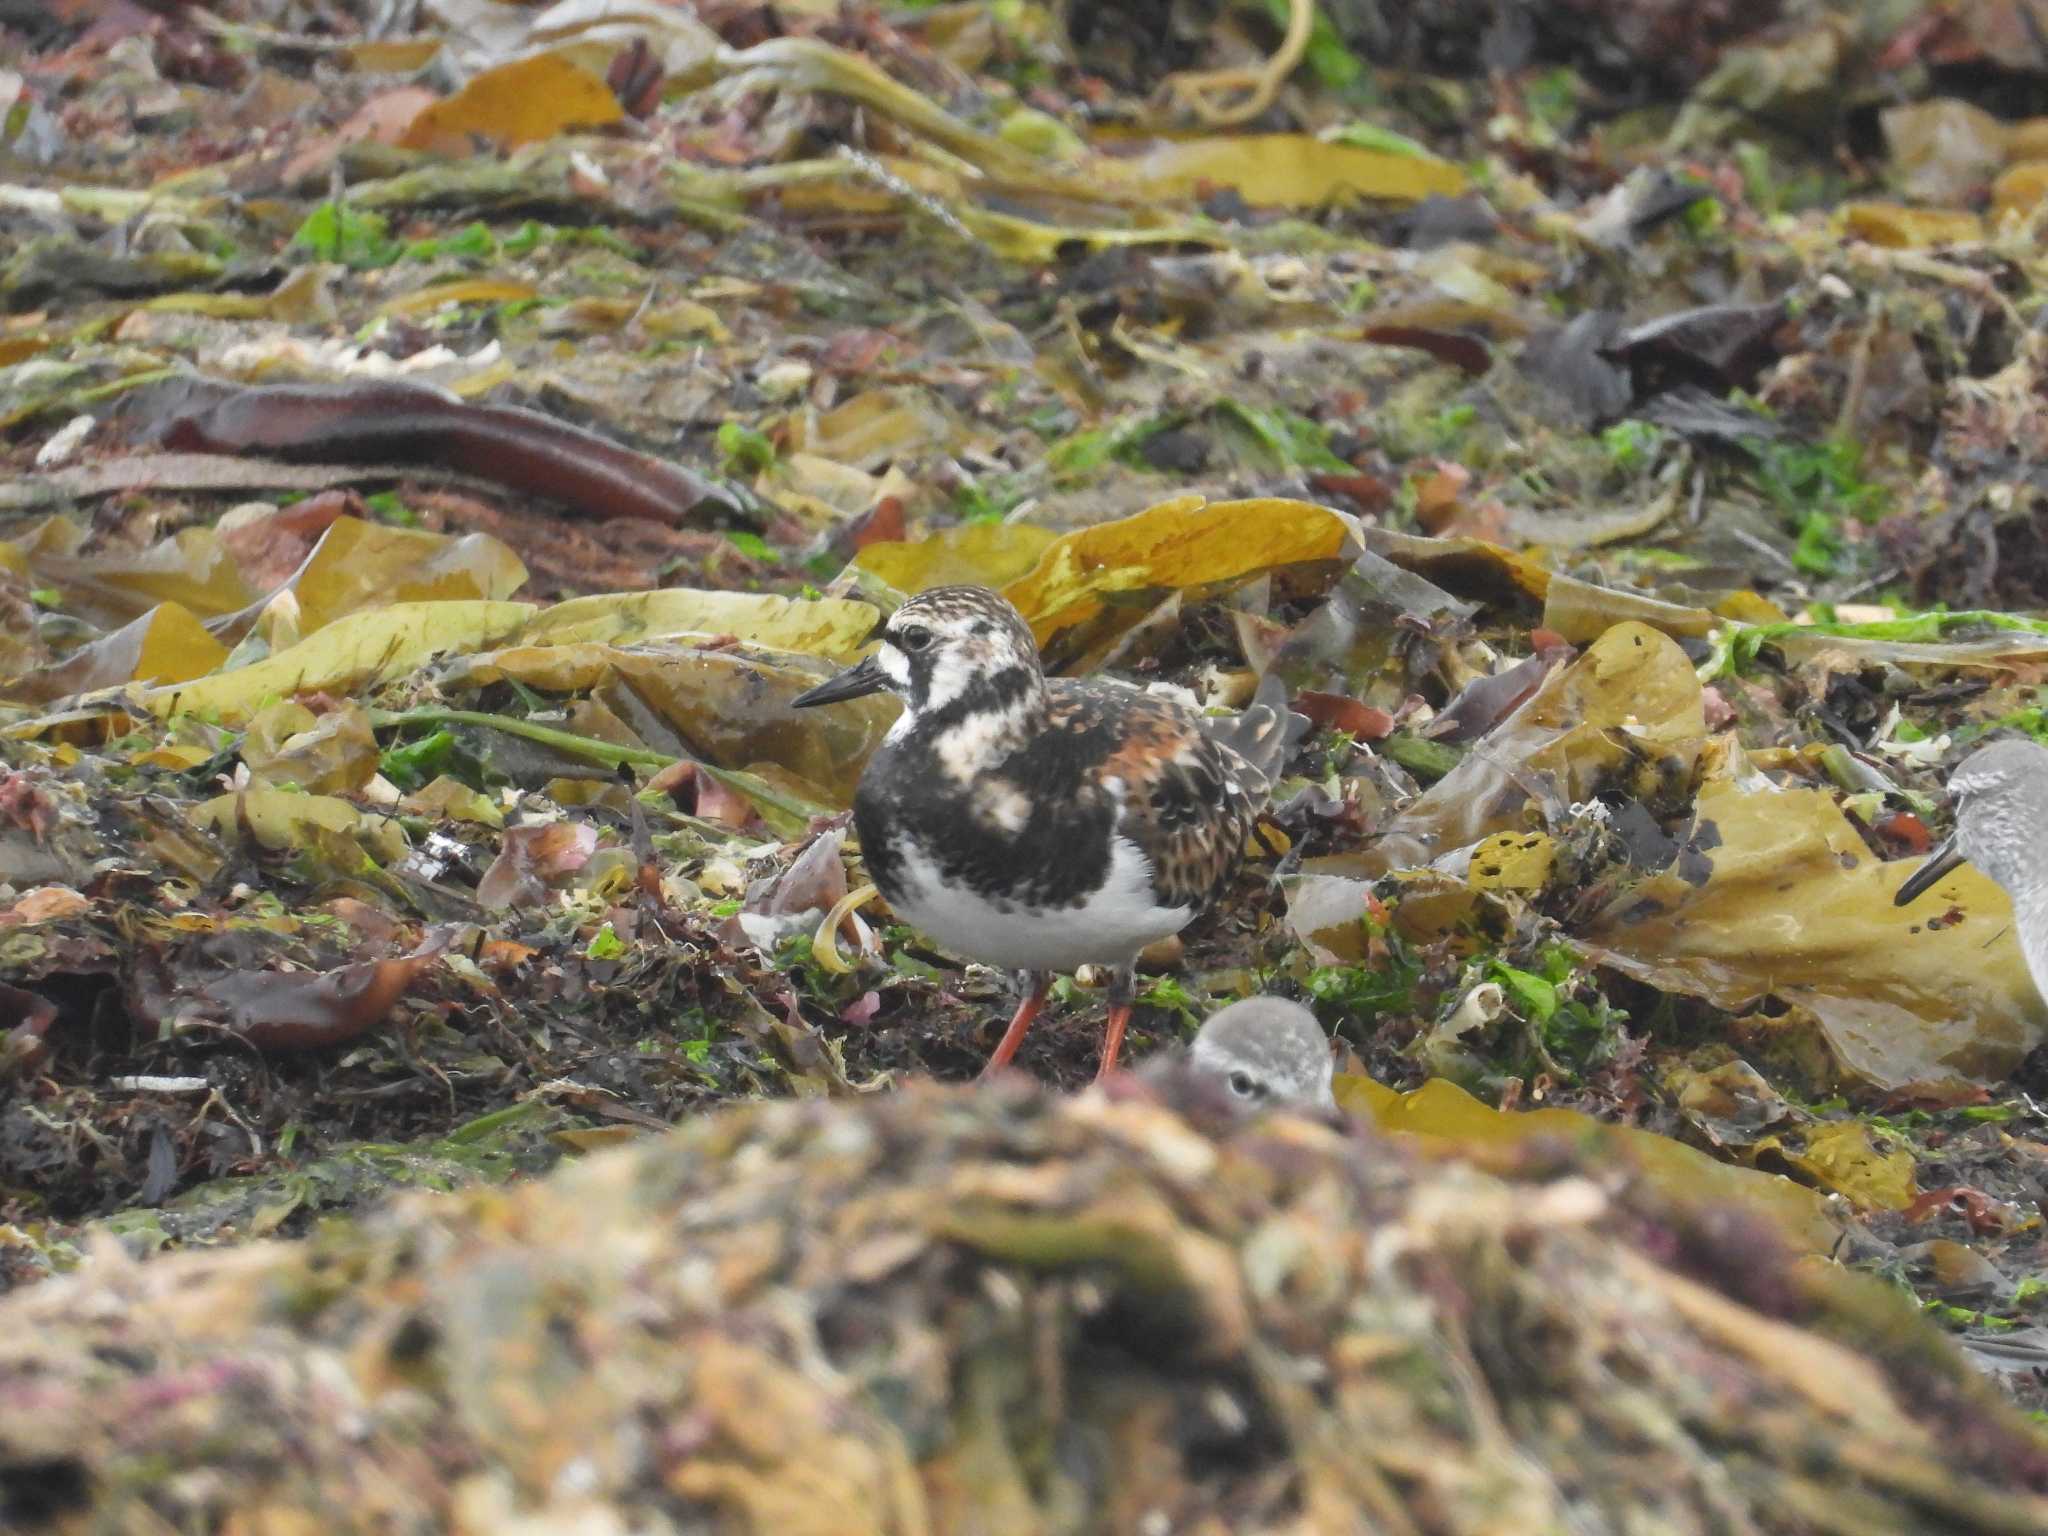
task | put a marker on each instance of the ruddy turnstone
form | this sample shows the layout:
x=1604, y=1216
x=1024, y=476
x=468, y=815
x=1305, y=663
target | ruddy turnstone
x=2001, y=803
x=1269, y=1053
x=1041, y=823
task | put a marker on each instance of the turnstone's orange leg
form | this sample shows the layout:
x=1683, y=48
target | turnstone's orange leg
x=1113, y=1039
x=1123, y=983
x=1014, y=1035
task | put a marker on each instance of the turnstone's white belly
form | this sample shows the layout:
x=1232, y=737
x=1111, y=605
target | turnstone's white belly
x=1108, y=927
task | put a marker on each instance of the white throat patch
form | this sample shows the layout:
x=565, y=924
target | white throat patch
x=953, y=673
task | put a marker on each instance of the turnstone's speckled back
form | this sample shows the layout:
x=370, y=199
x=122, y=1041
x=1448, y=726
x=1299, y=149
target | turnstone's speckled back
x=1043, y=823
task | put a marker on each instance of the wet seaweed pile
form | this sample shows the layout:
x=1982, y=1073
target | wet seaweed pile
x=952, y=1310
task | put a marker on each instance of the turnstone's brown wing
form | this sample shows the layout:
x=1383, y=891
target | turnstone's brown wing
x=1187, y=799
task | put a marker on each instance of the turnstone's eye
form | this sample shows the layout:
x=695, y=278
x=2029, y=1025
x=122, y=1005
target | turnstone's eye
x=1243, y=1084
x=915, y=638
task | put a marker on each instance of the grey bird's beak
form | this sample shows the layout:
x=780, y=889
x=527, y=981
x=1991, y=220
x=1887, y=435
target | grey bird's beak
x=1940, y=862
x=856, y=682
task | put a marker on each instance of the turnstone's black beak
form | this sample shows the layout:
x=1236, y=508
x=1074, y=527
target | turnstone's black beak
x=1940, y=862
x=856, y=682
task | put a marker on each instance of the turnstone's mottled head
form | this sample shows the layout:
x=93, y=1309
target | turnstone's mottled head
x=1268, y=1052
x=952, y=649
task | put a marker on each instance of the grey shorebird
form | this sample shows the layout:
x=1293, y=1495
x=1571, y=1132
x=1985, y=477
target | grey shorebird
x=1267, y=1053
x=2001, y=809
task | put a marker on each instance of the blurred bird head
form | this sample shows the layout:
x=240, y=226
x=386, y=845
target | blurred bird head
x=1266, y=1052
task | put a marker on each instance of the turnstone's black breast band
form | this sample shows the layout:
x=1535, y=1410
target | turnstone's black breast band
x=1056, y=857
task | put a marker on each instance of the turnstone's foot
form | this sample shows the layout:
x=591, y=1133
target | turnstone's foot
x=1040, y=823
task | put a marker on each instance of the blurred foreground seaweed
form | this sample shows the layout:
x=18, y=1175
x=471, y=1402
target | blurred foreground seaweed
x=949, y=1310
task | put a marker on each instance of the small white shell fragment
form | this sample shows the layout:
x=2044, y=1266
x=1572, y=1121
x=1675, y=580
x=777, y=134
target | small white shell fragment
x=64, y=442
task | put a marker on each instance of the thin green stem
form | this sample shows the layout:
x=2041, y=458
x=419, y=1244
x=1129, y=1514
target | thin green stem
x=592, y=750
